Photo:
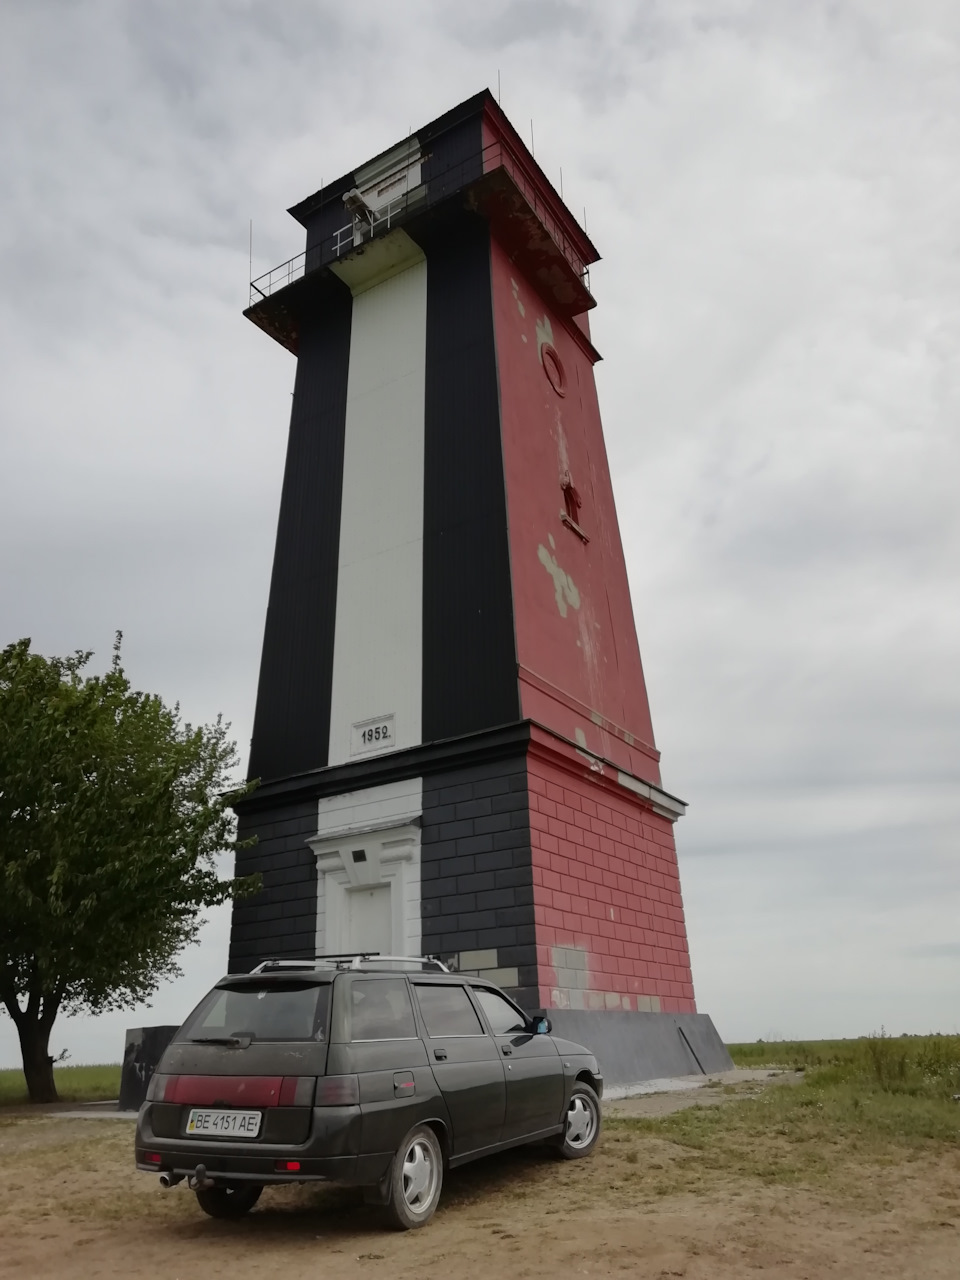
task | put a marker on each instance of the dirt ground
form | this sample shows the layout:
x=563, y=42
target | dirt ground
x=71, y=1205
x=693, y=1091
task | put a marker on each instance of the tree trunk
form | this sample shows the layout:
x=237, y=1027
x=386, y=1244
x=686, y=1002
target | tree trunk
x=37, y=1063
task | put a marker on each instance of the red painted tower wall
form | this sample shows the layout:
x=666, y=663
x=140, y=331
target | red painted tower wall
x=609, y=916
x=579, y=661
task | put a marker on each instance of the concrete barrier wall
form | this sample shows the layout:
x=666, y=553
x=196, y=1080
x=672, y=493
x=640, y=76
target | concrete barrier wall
x=142, y=1051
x=633, y=1047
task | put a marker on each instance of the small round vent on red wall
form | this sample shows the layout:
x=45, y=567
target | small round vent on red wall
x=553, y=368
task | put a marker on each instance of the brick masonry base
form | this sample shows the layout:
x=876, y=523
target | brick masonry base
x=556, y=882
x=609, y=918
x=538, y=870
x=476, y=880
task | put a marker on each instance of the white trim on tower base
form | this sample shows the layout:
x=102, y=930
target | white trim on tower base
x=383, y=825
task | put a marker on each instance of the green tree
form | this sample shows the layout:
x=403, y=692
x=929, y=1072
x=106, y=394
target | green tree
x=112, y=812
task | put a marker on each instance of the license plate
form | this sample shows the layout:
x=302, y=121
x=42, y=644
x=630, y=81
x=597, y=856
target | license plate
x=225, y=1124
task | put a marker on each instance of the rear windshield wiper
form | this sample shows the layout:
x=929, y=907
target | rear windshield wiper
x=241, y=1042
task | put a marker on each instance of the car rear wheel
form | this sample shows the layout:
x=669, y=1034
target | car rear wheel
x=581, y=1124
x=415, y=1179
x=229, y=1202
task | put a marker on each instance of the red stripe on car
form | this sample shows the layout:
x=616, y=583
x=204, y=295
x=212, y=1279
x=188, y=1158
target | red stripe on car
x=230, y=1091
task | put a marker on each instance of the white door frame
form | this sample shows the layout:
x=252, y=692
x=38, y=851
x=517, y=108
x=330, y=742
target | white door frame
x=392, y=859
x=384, y=822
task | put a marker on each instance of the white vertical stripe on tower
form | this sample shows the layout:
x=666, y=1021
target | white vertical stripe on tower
x=377, y=657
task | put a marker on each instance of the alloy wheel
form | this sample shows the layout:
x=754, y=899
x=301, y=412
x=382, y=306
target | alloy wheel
x=420, y=1176
x=581, y=1122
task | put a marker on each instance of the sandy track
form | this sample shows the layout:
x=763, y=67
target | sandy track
x=72, y=1206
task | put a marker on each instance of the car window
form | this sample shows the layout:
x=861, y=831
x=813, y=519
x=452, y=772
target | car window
x=274, y=1011
x=447, y=1011
x=380, y=1009
x=501, y=1014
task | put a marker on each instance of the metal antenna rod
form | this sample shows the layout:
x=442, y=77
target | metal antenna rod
x=533, y=150
x=251, y=249
x=498, y=86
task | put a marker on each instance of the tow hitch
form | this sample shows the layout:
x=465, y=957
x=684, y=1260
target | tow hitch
x=198, y=1180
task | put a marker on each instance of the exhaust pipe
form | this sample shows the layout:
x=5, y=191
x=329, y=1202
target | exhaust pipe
x=170, y=1179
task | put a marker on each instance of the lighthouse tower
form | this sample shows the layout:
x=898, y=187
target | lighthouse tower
x=452, y=734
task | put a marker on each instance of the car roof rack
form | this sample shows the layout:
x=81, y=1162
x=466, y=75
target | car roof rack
x=350, y=960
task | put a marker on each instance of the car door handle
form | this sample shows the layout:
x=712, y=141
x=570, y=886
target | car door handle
x=506, y=1050
x=440, y=1055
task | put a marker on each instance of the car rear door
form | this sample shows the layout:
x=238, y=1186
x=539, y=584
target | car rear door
x=466, y=1063
x=532, y=1067
x=253, y=1047
x=374, y=1036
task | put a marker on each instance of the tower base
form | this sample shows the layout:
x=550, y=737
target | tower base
x=634, y=1047
x=508, y=854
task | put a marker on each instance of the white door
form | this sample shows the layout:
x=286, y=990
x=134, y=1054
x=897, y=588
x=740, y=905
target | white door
x=369, y=924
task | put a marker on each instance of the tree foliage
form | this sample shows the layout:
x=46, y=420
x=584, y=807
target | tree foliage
x=112, y=812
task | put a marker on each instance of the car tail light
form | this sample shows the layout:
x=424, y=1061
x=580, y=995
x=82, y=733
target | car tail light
x=159, y=1085
x=229, y=1091
x=297, y=1091
x=338, y=1091
x=152, y=1157
x=287, y=1166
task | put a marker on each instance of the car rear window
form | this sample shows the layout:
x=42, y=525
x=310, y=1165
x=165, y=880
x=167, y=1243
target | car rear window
x=375, y=1009
x=274, y=1011
x=447, y=1011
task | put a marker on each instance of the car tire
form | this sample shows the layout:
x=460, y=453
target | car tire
x=415, y=1179
x=229, y=1202
x=581, y=1124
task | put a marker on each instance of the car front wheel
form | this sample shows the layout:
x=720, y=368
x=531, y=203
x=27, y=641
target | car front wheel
x=415, y=1179
x=229, y=1202
x=581, y=1127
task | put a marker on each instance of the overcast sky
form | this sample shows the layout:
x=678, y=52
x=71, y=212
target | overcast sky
x=775, y=189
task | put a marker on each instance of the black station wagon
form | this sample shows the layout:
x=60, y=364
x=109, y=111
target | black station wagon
x=372, y=1071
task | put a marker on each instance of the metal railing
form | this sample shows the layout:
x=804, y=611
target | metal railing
x=360, y=229
x=347, y=238
x=495, y=155
x=277, y=278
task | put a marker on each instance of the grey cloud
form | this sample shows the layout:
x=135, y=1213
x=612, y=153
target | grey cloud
x=935, y=951
x=497, y=27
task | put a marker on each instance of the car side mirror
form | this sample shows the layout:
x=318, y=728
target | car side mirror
x=542, y=1026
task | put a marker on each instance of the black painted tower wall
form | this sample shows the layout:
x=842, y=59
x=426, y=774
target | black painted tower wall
x=292, y=722
x=469, y=656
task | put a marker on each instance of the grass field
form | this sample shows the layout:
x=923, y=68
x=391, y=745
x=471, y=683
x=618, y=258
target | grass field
x=792, y=1053
x=74, y=1084
x=876, y=1101
x=918, y=1066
